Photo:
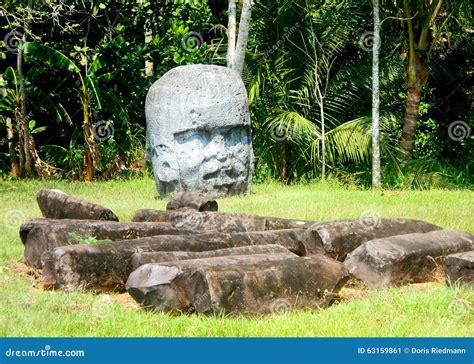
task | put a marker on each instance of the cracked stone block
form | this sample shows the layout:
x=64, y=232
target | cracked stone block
x=403, y=259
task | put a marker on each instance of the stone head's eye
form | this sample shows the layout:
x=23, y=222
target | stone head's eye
x=236, y=135
x=189, y=136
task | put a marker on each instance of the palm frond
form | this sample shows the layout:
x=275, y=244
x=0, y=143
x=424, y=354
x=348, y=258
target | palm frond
x=349, y=142
x=291, y=125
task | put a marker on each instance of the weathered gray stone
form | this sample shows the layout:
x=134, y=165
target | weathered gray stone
x=40, y=235
x=339, y=238
x=163, y=285
x=240, y=284
x=141, y=258
x=409, y=258
x=191, y=200
x=107, y=266
x=56, y=204
x=198, y=128
x=219, y=221
x=151, y=215
x=460, y=268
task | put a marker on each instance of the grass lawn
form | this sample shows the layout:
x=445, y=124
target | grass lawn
x=419, y=310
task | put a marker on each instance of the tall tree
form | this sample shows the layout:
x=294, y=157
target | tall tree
x=320, y=89
x=425, y=23
x=238, y=58
x=231, y=32
x=376, y=97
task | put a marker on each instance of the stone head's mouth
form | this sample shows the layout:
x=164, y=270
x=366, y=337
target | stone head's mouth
x=212, y=175
x=224, y=176
x=224, y=187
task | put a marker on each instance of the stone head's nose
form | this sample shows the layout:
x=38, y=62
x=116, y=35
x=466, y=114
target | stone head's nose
x=216, y=149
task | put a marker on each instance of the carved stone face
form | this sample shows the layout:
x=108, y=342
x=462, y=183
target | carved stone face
x=198, y=128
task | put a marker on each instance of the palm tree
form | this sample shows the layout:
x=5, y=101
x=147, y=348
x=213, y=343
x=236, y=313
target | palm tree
x=425, y=23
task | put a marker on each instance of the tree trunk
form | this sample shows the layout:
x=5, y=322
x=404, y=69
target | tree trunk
x=318, y=95
x=148, y=38
x=376, y=98
x=10, y=138
x=323, y=137
x=27, y=143
x=149, y=59
x=244, y=27
x=88, y=138
x=283, y=159
x=417, y=74
x=36, y=162
x=21, y=151
x=231, y=32
x=22, y=112
x=11, y=149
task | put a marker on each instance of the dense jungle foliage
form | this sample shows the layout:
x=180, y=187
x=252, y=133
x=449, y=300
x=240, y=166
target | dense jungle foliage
x=74, y=76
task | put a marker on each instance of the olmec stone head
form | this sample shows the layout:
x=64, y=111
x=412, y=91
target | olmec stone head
x=198, y=130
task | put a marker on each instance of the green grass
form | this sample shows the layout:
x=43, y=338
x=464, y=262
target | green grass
x=419, y=310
